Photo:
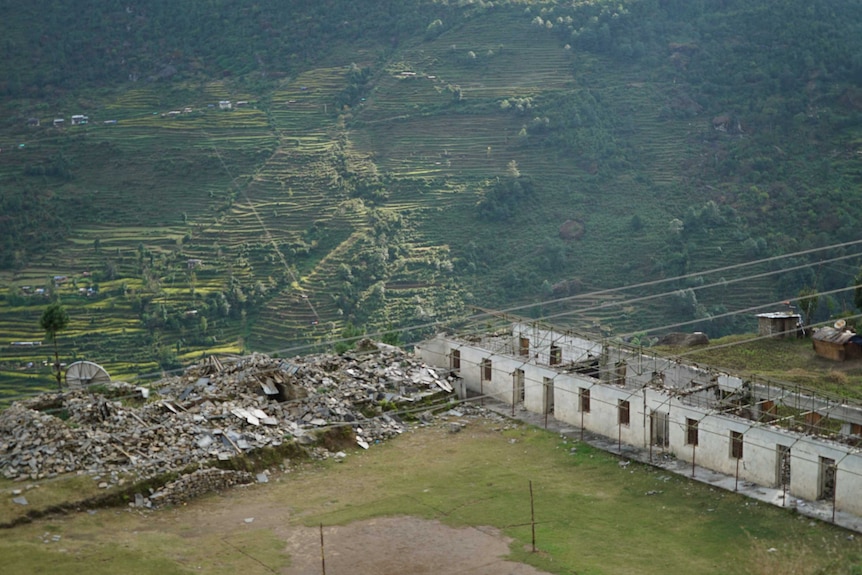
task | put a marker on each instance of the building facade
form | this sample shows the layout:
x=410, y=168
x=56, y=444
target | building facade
x=756, y=431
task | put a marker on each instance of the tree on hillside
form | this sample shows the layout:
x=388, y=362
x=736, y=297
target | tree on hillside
x=857, y=290
x=54, y=319
x=808, y=304
x=512, y=170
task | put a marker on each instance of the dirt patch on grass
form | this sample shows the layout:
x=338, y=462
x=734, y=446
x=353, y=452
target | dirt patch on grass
x=378, y=546
x=389, y=544
x=398, y=545
x=400, y=507
x=572, y=230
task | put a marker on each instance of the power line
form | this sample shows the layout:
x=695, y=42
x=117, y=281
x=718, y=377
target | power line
x=722, y=283
x=712, y=412
x=696, y=288
x=689, y=275
x=486, y=314
x=736, y=312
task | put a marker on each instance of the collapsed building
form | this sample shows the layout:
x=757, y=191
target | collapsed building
x=121, y=434
x=804, y=444
x=758, y=431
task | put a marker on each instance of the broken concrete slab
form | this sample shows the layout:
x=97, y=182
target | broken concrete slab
x=214, y=410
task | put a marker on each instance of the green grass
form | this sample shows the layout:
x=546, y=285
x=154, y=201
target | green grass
x=44, y=494
x=586, y=506
x=587, y=509
x=789, y=360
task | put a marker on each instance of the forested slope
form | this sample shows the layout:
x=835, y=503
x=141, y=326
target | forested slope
x=387, y=166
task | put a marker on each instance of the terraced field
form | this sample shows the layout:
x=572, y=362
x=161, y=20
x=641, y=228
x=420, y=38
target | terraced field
x=347, y=197
x=145, y=218
x=441, y=146
x=470, y=140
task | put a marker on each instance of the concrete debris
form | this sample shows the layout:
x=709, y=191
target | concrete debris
x=50, y=538
x=141, y=501
x=212, y=412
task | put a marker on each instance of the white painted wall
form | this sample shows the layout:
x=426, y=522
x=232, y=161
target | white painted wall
x=729, y=382
x=759, y=463
x=806, y=469
x=573, y=347
x=849, y=484
x=534, y=391
x=438, y=351
x=434, y=351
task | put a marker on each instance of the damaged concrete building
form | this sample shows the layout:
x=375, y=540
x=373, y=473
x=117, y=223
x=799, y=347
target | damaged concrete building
x=758, y=431
x=122, y=434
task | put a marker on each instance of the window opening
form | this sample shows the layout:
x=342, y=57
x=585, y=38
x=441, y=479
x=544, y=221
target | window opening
x=585, y=399
x=456, y=359
x=827, y=478
x=691, y=436
x=660, y=425
x=736, y=444
x=624, y=411
x=620, y=373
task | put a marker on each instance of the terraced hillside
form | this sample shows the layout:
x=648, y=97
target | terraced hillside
x=535, y=157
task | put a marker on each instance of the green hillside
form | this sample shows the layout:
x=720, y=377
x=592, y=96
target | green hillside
x=388, y=167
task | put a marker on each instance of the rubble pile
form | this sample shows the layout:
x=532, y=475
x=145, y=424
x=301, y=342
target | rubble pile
x=213, y=411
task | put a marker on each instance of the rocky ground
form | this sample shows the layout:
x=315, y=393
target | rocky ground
x=215, y=411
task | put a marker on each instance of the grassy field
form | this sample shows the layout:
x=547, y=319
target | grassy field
x=592, y=515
